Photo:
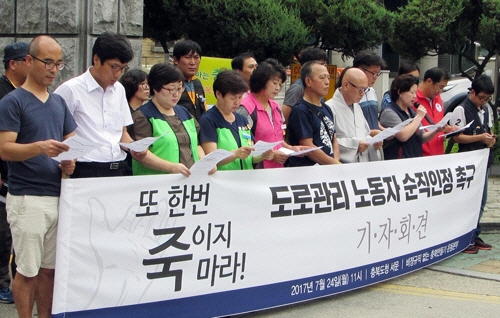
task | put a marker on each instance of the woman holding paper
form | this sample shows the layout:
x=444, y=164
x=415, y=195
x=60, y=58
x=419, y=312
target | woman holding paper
x=177, y=149
x=408, y=142
x=263, y=113
x=223, y=128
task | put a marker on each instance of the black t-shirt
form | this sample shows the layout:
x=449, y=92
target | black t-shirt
x=33, y=120
x=305, y=123
x=5, y=88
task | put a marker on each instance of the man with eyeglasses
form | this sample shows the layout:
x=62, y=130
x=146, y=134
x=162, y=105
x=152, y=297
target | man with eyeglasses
x=477, y=136
x=351, y=126
x=187, y=58
x=371, y=64
x=98, y=102
x=16, y=71
x=33, y=124
x=429, y=96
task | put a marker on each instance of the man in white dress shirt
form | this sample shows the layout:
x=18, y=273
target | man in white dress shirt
x=98, y=103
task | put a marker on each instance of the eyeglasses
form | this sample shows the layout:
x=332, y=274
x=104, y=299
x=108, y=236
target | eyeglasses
x=441, y=87
x=174, y=90
x=375, y=74
x=115, y=68
x=144, y=85
x=362, y=90
x=484, y=99
x=50, y=65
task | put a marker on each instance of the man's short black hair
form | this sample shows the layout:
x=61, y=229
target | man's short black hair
x=238, y=62
x=483, y=84
x=110, y=46
x=402, y=84
x=267, y=70
x=185, y=47
x=437, y=75
x=312, y=54
x=131, y=81
x=229, y=82
x=367, y=59
x=162, y=74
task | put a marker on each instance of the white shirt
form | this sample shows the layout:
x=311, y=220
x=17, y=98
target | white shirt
x=100, y=115
x=351, y=128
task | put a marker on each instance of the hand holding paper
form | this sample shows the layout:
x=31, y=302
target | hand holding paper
x=262, y=146
x=458, y=131
x=441, y=123
x=205, y=164
x=388, y=132
x=292, y=153
x=78, y=147
x=141, y=145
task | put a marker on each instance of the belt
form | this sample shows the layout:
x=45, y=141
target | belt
x=103, y=165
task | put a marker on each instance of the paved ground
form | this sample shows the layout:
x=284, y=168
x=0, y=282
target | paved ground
x=491, y=216
x=484, y=264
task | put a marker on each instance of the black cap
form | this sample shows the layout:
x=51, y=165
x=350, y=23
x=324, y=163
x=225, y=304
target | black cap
x=15, y=51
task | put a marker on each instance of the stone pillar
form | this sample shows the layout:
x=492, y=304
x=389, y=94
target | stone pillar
x=75, y=24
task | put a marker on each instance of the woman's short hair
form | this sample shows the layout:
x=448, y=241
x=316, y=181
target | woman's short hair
x=162, y=74
x=265, y=71
x=229, y=82
x=131, y=81
x=401, y=84
x=406, y=67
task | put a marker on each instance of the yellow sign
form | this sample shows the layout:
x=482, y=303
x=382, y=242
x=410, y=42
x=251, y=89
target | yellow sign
x=332, y=69
x=209, y=68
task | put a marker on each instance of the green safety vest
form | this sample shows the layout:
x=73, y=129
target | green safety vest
x=225, y=140
x=167, y=147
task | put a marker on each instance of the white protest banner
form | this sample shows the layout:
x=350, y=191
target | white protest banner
x=239, y=241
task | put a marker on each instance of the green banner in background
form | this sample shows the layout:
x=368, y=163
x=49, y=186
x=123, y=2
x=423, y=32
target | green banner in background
x=209, y=68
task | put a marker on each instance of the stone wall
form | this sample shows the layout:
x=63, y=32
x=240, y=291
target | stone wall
x=75, y=24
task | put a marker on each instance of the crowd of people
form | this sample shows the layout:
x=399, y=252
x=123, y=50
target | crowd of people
x=109, y=104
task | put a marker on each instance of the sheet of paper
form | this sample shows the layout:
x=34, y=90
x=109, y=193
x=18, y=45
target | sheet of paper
x=262, y=146
x=78, y=147
x=205, y=164
x=290, y=152
x=458, y=131
x=141, y=145
x=388, y=132
x=441, y=123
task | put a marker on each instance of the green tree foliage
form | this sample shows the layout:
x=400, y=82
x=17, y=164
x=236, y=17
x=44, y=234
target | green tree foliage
x=346, y=26
x=227, y=28
x=350, y=26
x=447, y=27
x=310, y=12
x=163, y=20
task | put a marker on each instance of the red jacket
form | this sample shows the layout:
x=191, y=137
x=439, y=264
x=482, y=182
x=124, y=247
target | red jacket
x=435, y=146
